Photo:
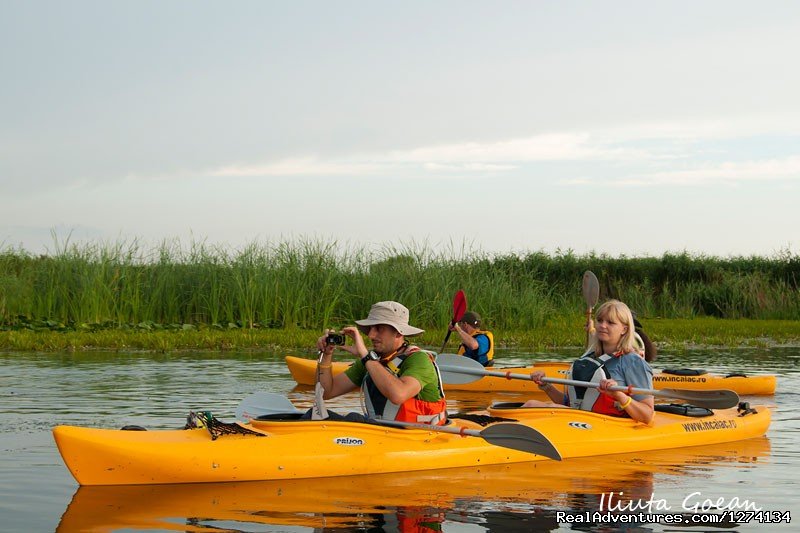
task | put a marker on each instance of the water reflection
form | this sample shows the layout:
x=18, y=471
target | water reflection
x=520, y=497
x=39, y=391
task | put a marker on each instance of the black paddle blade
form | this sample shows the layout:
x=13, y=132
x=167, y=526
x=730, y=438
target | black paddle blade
x=522, y=438
x=710, y=399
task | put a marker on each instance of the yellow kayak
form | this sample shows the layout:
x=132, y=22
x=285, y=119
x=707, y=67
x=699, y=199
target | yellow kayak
x=296, y=449
x=304, y=373
x=350, y=502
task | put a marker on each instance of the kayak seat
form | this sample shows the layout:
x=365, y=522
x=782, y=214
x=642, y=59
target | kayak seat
x=736, y=375
x=133, y=428
x=481, y=420
x=673, y=408
x=305, y=416
x=507, y=405
x=684, y=371
x=683, y=409
x=280, y=416
x=308, y=416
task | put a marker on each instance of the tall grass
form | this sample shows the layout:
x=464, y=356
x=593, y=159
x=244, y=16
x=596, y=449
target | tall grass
x=311, y=284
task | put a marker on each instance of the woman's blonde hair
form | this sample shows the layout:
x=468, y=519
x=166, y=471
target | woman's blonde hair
x=618, y=312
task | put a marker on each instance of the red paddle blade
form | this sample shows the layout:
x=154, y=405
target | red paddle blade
x=459, y=306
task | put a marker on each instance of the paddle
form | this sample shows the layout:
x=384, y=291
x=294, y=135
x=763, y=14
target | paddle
x=459, y=307
x=318, y=411
x=457, y=369
x=508, y=435
x=505, y=434
x=591, y=293
x=264, y=403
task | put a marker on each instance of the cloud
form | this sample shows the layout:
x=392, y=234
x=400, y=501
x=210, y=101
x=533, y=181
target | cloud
x=471, y=157
x=305, y=166
x=723, y=173
x=548, y=147
x=467, y=167
x=649, y=146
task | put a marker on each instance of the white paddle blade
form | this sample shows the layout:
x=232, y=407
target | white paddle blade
x=459, y=369
x=264, y=403
x=319, y=412
x=591, y=289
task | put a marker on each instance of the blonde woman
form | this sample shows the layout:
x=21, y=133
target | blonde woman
x=614, y=361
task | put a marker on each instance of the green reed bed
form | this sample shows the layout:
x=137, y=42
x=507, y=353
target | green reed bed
x=669, y=334
x=165, y=340
x=284, y=293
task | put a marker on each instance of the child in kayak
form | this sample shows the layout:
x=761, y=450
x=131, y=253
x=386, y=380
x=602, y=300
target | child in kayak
x=647, y=349
x=399, y=381
x=618, y=364
x=476, y=343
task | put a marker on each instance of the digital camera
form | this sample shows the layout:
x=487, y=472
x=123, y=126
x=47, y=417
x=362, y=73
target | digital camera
x=335, y=338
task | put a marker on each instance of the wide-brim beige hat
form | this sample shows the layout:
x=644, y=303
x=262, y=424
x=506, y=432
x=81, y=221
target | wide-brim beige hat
x=391, y=313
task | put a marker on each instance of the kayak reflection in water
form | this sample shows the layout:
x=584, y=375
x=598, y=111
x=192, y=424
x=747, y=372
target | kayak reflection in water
x=618, y=364
x=399, y=381
x=476, y=343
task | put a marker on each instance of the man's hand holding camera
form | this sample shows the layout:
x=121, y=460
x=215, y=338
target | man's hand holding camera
x=333, y=339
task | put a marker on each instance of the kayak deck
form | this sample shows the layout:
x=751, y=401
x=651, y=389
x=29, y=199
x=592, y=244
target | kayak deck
x=304, y=373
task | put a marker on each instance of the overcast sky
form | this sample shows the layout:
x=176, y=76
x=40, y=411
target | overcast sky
x=623, y=127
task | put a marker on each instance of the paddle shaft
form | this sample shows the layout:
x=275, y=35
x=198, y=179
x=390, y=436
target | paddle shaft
x=712, y=399
x=574, y=383
x=589, y=330
x=447, y=337
x=429, y=427
x=319, y=412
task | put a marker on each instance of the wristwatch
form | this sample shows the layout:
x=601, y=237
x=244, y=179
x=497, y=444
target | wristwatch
x=371, y=356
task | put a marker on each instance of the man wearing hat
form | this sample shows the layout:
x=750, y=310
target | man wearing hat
x=399, y=381
x=476, y=343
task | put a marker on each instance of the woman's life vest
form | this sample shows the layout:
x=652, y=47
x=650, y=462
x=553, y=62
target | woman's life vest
x=413, y=410
x=591, y=368
x=486, y=359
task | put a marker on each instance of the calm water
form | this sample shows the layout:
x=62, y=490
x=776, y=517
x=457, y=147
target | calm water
x=37, y=493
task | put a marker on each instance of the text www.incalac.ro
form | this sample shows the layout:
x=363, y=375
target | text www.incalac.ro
x=598, y=517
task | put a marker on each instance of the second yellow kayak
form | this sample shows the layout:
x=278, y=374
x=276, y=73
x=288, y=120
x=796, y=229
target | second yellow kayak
x=304, y=373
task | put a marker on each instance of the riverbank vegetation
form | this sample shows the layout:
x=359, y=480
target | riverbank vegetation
x=127, y=296
x=670, y=334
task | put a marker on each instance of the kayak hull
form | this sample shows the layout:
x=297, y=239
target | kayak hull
x=304, y=373
x=314, y=449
